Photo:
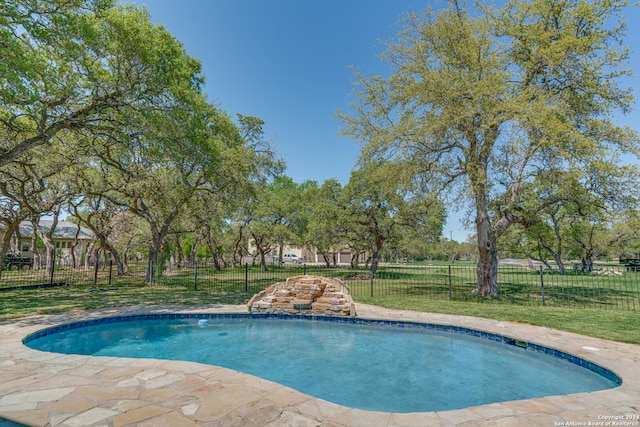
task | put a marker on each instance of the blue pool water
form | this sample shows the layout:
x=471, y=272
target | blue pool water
x=382, y=366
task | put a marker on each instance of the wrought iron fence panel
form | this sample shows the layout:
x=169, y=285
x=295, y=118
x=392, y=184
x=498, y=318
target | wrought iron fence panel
x=614, y=288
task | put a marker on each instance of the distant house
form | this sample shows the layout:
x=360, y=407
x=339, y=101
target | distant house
x=308, y=255
x=66, y=235
x=339, y=256
x=273, y=256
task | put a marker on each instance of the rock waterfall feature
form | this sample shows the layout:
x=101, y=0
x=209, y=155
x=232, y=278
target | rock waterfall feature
x=309, y=295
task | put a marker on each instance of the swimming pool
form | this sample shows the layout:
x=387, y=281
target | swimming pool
x=375, y=365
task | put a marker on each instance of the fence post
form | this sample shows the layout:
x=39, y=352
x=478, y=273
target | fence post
x=195, y=275
x=110, y=270
x=542, y=285
x=246, y=276
x=450, y=288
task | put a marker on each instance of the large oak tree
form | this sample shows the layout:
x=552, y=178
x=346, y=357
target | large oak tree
x=479, y=100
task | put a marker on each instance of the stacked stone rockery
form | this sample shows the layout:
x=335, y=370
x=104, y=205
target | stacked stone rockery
x=313, y=295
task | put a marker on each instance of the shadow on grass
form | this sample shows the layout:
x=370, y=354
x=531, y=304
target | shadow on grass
x=21, y=303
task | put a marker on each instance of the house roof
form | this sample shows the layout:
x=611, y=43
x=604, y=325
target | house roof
x=64, y=230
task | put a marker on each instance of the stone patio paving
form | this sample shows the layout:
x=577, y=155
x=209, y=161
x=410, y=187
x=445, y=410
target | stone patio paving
x=47, y=389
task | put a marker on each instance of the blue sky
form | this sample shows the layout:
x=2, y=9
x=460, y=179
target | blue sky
x=287, y=62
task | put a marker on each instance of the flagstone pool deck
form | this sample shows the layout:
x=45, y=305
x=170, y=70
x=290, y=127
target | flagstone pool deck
x=47, y=389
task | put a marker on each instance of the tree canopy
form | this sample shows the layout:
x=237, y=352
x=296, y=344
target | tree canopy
x=68, y=66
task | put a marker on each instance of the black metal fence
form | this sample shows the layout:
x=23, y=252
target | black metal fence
x=610, y=288
x=99, y=274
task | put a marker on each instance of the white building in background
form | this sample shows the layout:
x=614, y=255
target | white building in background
x=303, y=255
x=67, y=236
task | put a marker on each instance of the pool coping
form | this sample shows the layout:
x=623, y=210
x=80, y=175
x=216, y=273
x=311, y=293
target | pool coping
x=38, y=388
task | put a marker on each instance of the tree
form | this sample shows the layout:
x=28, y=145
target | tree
x=286, y=213
x=207, y=218
x=480, y=100
x=155, y=170
x=626, y=234
x=264, y=227
x=101, y=216
x=323, y=228
x=68, y=67
x=36, y=185
x=11, y=215
x=375, y=205
x=249, y=196
x=556, y=200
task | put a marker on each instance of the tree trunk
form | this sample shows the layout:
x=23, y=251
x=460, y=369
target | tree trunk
x=557, y=258
x=74, y=260
x=237, y=249
x=213, y=248
x=15, y=243
x=587, y=264
x=326, y=259
x=487, y=268
x=47, y=239
x=104, y=243
x=89, y=255
x=374, y=263
x=51, y=255
x=95, y=256
x=153, y=260
x=193, y=252
x=214, y=253
x=263, y=260
x=125, y=254
x=354, y=258
x=216, y=261
x=557, y=255
x=118, y=259
x=154, y=250
x=262, y=251
x=280, y=253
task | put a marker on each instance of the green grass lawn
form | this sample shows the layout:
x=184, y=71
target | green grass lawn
x=617, y=325
x=20, y=303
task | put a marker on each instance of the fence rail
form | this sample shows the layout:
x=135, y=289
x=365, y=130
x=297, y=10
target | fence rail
x=610, y=288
